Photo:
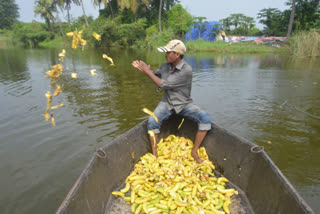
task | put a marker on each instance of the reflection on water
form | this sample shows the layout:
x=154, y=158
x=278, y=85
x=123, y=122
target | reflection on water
x=14, y=60
x=261, y=98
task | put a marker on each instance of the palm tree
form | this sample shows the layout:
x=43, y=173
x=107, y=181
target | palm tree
x=235, y=18
x=167, y=4
x=291, y=20
x=84, y=13
x=199, y=24
x=124, y=4
x=160, y=7
x=45, y=8
x=59, y=3
x=106, y=3
x=67, y=6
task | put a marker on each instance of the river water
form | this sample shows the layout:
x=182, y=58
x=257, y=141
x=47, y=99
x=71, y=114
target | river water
x=271, y=100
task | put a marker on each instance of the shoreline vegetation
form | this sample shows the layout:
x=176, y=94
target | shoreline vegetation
x=226, y=47
x=143, y=27
x=194, y=46
x=302, y=44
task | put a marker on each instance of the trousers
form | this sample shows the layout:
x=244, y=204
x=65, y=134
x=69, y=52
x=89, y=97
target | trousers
x=190, y=111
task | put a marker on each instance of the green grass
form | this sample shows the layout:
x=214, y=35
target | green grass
x=8, y=42
x=224, y=47
x=3, y=42
x=58, y=42
x=305, y=44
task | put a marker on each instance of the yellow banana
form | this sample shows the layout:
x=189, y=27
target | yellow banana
x=126, y=189
x=108, y=58
x=180, y=124
x=226, y=206
x=93, y=72
x=147, y=111
x=97, y=36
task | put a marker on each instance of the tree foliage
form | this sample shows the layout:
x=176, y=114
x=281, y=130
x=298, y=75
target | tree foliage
x=200, y=23
x=46, y=9
x=113, y=32
x=8, y=13
x=239, y=24
x=307, y=14
x=275, y=21
x=179, y=20
x=306, y=17
x=31, y=34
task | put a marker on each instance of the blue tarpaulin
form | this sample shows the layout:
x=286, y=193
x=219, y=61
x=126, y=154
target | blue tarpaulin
x=208, y=31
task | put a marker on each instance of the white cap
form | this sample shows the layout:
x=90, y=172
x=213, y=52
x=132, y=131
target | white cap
x=174, y=45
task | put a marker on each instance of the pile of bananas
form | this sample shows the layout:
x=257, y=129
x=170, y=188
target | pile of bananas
x=175, y=183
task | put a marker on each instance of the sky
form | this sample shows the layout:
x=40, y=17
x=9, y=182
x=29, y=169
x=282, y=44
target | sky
x=213, y=10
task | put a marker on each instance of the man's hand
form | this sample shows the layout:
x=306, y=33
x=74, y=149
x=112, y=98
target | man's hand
x=142, y=66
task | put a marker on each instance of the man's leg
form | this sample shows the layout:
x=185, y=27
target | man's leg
x=193, y=112
x=199, y=138
x=162, y=113
x=153, y=142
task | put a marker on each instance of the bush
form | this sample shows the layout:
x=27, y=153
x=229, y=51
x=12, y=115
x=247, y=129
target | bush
x=130, y=33
x=160, y=39
x=31, y=34
x=113, y=33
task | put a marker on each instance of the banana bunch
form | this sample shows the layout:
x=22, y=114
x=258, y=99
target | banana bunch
x=76, y=39
x=55, y=72
x=175, y=183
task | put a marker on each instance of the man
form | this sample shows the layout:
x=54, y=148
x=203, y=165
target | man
x=175, y=78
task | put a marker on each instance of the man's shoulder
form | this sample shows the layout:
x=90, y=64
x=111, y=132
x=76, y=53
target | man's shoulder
x=165, y=65
x=186, y=66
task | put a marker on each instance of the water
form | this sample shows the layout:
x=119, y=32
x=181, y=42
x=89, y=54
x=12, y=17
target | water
x=260, y=98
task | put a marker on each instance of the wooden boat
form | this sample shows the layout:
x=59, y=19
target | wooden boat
x=263, y=189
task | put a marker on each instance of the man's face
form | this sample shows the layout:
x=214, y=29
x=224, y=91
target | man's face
x=172, y=56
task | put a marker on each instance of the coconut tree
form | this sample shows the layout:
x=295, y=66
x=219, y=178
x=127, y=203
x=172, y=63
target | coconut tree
x=106, y=3
x=160, y=7
x=59, y=4
x=67, y=6
x=45, y=8
x=164, y=4
x=198, y=22
x=133, y=5
x=293, y=7
x=84, y=13
x=129, y=4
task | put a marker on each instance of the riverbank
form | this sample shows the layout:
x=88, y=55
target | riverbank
x=4, y=42
x=194, y=46
x=8, y=42
x=59, y=42
x=249, y=47
x=225, y=47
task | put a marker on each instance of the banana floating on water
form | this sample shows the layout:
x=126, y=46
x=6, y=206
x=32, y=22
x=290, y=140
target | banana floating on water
x=74, y=75
x=93, y=72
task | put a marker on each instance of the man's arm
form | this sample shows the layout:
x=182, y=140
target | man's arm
x=140, y=65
